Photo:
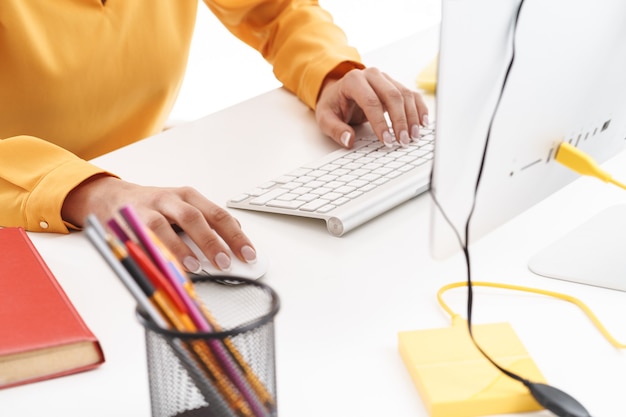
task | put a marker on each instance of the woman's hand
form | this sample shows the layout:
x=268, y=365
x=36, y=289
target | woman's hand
x=365, y=95
x=206, y=223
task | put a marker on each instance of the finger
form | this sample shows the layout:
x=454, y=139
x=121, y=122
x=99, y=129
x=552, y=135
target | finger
x=394, y=97
x=170, y=238
x=415, y=109
x=176, y=207
x=423, y=110
x=225, y=225
x=333, y=126
x=335, y=112
x=358, y=85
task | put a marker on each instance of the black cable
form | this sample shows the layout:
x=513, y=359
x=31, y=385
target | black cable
x=552, y=399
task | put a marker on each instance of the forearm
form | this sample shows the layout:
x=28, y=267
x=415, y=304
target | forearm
x=297, y=37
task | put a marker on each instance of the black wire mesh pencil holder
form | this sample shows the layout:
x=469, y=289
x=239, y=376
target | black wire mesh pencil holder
x=228, y=372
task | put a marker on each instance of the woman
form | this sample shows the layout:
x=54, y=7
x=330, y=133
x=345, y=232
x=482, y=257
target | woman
x=79, y=78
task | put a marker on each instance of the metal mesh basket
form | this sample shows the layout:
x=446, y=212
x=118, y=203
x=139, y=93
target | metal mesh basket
x=227, y=372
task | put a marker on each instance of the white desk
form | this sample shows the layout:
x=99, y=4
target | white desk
x=343, y=299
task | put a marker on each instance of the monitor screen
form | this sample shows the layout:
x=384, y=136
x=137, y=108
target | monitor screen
x=511, y=87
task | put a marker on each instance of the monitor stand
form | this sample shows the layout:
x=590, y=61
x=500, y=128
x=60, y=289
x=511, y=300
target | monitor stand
x=593, y=254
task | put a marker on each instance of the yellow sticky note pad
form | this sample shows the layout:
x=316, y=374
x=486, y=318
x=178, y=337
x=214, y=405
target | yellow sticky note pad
x=455, y=380
x=427, y=78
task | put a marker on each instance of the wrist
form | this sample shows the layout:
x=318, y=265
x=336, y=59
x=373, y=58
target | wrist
x=84, y=198
x=337, y=73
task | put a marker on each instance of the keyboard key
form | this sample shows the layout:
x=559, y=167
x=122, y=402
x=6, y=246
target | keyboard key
x=314, y=205
x=327, y=208
x=240, y=198
x=291, y=186
x=307, y=197
x=287, y=197
x=299, y=172
x=257, y=192
x=293, y=204
x=331, y=196
x=354, y=194
x=321, y=191
x=284, y=179
x=268, y=196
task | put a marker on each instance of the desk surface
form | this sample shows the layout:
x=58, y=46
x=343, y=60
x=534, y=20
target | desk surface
x=343, y=299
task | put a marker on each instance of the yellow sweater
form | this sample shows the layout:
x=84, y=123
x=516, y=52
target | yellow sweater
x=79, y=78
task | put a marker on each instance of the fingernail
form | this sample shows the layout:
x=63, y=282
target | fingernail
x=415, y=132
x=425, y=120
x=405, y=140
x=345, y=139
x=387, y=139
x=192, y=264
x=248, y=254
x=223, y=261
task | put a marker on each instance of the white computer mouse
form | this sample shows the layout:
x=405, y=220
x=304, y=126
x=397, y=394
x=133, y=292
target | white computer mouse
x=254, y=270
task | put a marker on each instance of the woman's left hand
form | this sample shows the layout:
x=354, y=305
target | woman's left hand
x=366, y=95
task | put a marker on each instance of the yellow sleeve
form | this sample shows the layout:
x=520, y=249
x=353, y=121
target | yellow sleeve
x=35, y=178
x=297, y=37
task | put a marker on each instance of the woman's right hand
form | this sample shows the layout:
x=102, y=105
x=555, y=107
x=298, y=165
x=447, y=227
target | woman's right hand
x=207, y=224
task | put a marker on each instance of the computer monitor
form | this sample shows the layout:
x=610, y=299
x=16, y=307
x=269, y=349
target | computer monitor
x=566, y=82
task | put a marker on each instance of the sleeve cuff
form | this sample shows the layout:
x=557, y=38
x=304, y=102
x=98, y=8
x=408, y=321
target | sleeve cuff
x=43, y=208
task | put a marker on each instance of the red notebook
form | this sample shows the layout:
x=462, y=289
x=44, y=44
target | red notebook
x=42, y=335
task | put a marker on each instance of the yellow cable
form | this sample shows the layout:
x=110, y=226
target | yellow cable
x=563, y=297
x=578, y=161
x=619, y=184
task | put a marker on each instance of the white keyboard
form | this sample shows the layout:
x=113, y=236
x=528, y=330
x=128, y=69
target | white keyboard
x=348, y=187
